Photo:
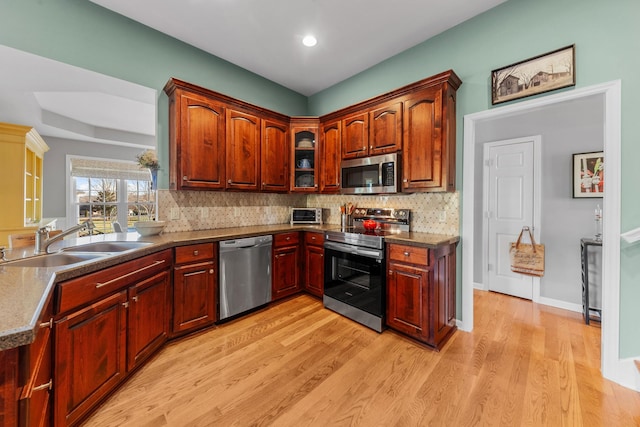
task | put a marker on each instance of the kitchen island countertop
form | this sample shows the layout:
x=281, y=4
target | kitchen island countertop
x=25, y=291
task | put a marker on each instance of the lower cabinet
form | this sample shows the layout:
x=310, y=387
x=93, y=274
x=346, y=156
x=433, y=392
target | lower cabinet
x=36, y=376
x=285, y=279
x=314, y=263
x=421, y=292
x=108, y=323
x=194, y=287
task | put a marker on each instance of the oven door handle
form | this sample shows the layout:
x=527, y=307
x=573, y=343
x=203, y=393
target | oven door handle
x=354, y=250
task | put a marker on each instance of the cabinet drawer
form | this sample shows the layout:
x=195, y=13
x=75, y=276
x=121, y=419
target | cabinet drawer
x=193, y=253
x=409, y=254
x=286, y=239
x=75, y=293
x=311, y=238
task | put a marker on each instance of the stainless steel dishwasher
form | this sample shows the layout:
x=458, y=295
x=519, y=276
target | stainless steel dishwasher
x=245, y=274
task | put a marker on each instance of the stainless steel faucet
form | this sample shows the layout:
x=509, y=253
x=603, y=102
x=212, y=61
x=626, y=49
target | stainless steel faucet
x=43, y=241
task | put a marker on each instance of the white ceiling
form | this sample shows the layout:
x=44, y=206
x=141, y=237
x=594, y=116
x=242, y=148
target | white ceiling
x=68, y=102
x=265, y=36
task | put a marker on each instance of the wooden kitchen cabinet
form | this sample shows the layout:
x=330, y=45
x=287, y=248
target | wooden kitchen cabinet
x=285, y=279
x=275, y=156
x=243, y=151
x=421, y=292
x=385, y=129
x=36, y=374
x=314, y=263
x=355, y=135
x=197, y=138
x=330, y=155
x=429, y=141
x=107, y=323
x=194, y=287
x=304, y=154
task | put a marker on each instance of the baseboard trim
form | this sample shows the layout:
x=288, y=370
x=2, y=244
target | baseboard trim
x=560, y=304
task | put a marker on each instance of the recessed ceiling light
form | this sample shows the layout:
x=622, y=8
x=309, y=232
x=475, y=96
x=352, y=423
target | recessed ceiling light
x=309, y=41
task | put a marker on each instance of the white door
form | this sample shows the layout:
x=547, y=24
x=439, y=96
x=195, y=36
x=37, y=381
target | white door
x=511, y=183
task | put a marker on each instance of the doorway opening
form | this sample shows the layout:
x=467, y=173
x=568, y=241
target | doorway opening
x=610, y=93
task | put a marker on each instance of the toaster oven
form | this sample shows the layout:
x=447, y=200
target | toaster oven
x=306, y=216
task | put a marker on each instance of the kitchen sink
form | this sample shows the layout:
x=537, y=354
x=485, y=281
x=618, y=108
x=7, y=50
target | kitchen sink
x=53, y=260
x=116, y=246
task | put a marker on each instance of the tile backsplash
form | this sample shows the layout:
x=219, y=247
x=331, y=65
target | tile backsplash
x=203, y=210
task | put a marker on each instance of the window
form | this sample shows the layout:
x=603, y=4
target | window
x=109, y=190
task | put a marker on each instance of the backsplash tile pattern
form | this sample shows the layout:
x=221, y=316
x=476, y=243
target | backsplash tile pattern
x=426, y=209
x=204, y=210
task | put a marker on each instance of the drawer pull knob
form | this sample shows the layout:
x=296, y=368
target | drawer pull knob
x=211, y=271
x=406, y=253
x=48, y=324
x=135, y=298
x=196, y=253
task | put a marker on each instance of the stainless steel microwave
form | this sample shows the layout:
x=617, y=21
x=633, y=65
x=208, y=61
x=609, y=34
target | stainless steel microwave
x=371, y=175
x=306, y=215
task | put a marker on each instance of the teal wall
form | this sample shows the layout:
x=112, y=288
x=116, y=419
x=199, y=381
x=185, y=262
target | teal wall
x=605, y=34
x=607, y=37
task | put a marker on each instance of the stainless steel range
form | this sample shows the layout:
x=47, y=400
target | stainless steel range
x=355, y=264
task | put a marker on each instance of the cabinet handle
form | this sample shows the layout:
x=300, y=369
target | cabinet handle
x=264, y=184
x=316, y=186
x=390, y=272
x=364, y=148
x=371, y=147
x=125, y=304
x=196, y=253
x=229, y=181
x=135, y=298
x=211, y=271
x=100, y=285
x=405, y=180
x=185, y=178
x=288, y=237
x=406, y=253
x=48, y=324
x=46, y=386
x=313, y=237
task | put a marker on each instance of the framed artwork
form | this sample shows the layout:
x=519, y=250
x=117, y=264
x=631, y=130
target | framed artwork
x=588, y=174
x=550, y=71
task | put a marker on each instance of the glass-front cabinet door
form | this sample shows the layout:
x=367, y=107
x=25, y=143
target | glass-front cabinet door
x=304, y=176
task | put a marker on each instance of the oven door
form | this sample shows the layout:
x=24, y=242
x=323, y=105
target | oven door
x=354, y=277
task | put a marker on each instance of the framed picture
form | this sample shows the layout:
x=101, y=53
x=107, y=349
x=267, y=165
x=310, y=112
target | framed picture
x=588, y=174
x=551, y=71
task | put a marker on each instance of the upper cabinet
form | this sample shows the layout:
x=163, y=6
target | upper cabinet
x=196, y=140
x=274, y=156
x=330, y=154
x=385, y=129
x=355, y=136
x=22, y=150
x=218, y=142
x=429, y=138
x=304, y=149
x=243, y=151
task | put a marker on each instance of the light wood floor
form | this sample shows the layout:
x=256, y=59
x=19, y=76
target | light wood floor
x=297, y=364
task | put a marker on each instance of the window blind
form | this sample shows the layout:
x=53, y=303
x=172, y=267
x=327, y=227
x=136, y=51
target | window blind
x=108, y=169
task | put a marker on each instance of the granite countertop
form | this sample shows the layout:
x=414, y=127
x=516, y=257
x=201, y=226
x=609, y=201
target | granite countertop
x=25, y=291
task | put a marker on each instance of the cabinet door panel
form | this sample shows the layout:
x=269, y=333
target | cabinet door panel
x=243, y=151
x=286, y=276
x=194, y=298
x=422, y=145
x=314, y=270
x=148, y=317
x=201, y=149
x=407, y=300
x=355, y=136
x=90, y=355
x=331, y=156
x=385, y=129
x=274, y=157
